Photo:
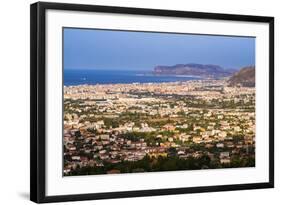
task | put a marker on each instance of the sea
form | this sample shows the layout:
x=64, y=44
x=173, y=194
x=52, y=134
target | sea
x=93, y=77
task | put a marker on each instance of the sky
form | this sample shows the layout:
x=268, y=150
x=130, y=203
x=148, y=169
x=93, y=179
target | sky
x=126, y=50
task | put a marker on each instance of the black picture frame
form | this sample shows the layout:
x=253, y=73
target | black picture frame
x=38, y=101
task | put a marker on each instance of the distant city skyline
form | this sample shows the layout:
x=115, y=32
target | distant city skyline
x=127, y=50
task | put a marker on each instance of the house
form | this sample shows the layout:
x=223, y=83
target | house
x=170, y=139
x=75, y=158
x=169, y=127
x=197, y=139
x=224, y=155
x=225, y=160
x=104, y=137
x=220, y=145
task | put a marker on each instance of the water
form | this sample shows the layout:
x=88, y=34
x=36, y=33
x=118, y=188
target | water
x=92, y=77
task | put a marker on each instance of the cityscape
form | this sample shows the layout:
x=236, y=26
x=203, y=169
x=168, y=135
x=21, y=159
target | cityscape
x=202, y=116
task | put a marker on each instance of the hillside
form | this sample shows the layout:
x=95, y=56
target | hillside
x=213, y=71
x=244, y=77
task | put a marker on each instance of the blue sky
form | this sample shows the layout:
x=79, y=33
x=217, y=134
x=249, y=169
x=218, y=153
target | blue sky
x=123, y=50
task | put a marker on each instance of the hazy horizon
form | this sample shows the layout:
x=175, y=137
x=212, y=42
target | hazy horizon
x=92, y=49
x=131, y=69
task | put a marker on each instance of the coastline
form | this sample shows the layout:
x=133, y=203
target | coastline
x=94, y=77
x=187, y=82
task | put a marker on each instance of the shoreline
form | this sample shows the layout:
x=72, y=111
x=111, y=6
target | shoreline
x=148, y=83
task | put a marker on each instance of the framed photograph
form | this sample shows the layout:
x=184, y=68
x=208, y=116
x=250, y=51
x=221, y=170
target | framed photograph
x=129, y=102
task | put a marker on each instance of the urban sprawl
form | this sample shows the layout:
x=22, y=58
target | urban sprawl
x=145, y=127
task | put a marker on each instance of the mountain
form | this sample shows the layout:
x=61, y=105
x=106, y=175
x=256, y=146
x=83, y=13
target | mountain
x=244, y=77
x=213, y=71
